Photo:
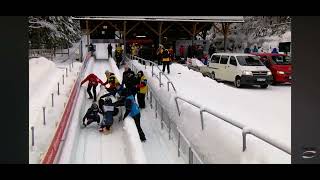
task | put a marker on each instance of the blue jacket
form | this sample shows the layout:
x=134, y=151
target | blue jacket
x=132, y=106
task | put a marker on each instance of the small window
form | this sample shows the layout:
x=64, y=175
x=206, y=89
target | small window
x=215, y=59
x=224, y=59
x=233, y=61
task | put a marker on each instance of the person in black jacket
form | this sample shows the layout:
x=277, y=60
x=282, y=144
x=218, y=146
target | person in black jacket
x=92, y=115
x=109, y=110
x=129, y=80
x=109, y=50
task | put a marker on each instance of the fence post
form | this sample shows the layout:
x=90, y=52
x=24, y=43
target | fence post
x=32, y=136
x=244, y=141
x=152, y=70
x=151, y=99
x=160, y=78
x=147, y=94
x=63, y=79
x=52, y=99
x=156, y=108
x=179, y=144
x=66, y=72
x=69, y=67
x=169, y=127
x=161, y=120
x=176, y=99
x=201, y=115
x=168, y=86
x=190, y=156
x=58, y=89
x=44, y=115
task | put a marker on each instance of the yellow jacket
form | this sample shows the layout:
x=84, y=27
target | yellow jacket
x=164, y=59
x=144, y=89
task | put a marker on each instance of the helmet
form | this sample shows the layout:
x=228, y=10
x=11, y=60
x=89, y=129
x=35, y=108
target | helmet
x=94, y=106
x=108, y=100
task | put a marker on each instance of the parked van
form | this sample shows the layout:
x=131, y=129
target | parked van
x=279, y=65
x=240, y=68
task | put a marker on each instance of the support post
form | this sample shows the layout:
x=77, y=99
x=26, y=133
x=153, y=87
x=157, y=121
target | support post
x=52, y=99
x=44, y=115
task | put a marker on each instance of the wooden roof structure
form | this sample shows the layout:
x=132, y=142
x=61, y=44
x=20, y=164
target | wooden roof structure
x=157, y=28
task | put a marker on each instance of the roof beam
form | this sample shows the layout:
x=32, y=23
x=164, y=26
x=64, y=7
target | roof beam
x=236, y=19
x=200, y=29
x=96, y=27
x=151, y=28
x=166, y=29
x=133, y=27
x=190, y=33
x=110, y=23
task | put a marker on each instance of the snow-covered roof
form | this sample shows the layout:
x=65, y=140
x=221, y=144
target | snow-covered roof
x=233, y=54
x=235, y=19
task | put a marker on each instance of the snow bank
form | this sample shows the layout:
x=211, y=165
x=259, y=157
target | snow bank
x=131, y=138
x=135, y=153
x=115, y=69
x=225, y=139
x=196, y=62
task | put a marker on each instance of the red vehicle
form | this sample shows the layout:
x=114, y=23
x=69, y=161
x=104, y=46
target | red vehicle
x=279, y=65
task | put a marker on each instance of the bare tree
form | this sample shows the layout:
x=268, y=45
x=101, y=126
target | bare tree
x=223, y=28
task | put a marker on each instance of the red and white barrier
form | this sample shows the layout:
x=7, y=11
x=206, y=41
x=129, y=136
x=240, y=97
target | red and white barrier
x=55, y=146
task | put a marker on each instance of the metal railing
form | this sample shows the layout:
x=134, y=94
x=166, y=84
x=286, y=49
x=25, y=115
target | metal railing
x=174, y=133
x=48, y=53
x=245, y=130
x=153, y=64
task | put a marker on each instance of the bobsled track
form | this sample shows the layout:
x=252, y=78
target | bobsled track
x=73, y=144
x=180, y=126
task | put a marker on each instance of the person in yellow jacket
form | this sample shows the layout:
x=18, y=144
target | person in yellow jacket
x=142, y=90
x=165, y=59
x=111, y=80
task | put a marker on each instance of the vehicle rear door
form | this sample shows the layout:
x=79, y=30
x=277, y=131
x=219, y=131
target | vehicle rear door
x=223, y=67
x=231, y=69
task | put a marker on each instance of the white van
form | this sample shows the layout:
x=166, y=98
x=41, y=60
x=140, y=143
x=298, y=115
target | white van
x=238, y=68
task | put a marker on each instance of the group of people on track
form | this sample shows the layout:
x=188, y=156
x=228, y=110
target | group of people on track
x=117, y=95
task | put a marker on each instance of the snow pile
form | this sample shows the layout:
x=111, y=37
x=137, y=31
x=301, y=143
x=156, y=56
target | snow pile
x=43, y=78
x=196, y=62
x=133, y=144
x=226, y=140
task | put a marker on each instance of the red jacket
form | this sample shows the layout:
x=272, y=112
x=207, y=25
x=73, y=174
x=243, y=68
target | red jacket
x=181, y=50
x=93, y=80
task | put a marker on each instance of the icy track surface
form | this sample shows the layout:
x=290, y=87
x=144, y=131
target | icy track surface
x=96, y=148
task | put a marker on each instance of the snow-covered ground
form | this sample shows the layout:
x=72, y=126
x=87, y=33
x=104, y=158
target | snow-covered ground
x=44, y=76
x=268, y=111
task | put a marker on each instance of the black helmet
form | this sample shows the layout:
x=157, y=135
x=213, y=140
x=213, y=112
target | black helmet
x=94, y=106
x=140, y=72
x=108, y=100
